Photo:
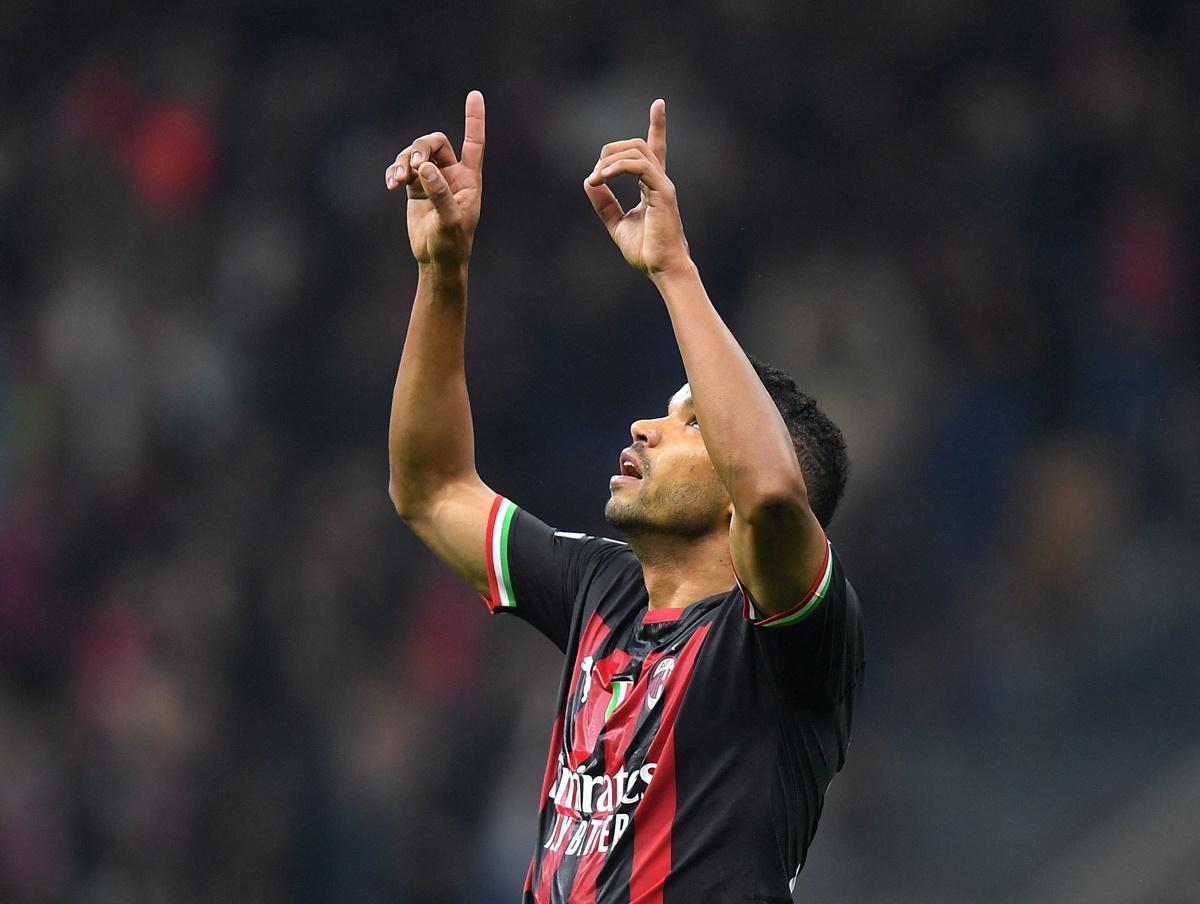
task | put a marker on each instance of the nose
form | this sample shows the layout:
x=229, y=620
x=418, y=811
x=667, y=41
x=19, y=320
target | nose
x=645, y=432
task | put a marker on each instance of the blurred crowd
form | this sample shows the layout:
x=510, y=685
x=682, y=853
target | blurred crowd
x=227, y=671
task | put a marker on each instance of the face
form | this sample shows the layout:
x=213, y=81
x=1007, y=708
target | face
x=666, y=483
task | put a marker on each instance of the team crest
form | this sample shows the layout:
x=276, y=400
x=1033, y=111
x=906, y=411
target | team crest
x=658, y=680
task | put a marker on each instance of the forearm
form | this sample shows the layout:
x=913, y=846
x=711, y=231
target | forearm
x=430, y=437
x=745, y=435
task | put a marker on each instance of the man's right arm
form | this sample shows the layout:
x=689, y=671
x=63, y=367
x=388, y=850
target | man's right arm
x=433, y=482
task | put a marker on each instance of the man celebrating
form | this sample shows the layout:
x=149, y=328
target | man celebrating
x=713, y=662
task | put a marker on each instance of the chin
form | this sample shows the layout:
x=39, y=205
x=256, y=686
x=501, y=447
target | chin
x=618, y=514
x=627, y=515
x=684, y=511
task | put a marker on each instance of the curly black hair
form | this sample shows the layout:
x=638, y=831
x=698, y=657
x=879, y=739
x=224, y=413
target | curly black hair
x=819, y=443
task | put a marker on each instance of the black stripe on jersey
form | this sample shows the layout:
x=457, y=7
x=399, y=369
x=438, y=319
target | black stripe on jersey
x=564, y=880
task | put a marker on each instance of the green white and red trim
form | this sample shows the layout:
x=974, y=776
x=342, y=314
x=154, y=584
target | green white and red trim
x=620, y=690
x=499, y=574
x=808, y=604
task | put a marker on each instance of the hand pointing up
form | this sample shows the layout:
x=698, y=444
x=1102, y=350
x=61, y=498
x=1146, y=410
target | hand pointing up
x=444, y=192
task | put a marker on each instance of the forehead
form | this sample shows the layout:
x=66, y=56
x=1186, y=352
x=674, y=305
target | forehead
x=681, y=399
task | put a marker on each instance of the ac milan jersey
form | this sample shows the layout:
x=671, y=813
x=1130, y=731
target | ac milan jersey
x=692, y=748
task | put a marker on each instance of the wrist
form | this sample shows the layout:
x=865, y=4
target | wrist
x=439, y=273
x=683, y=273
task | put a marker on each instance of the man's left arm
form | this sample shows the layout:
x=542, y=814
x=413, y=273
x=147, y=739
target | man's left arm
x=779, y=548
x=777, y=544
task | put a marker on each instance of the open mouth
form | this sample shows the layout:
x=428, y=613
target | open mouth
x=630, y=470
x=630, y=466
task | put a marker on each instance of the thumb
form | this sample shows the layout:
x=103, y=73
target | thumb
x=438, y=192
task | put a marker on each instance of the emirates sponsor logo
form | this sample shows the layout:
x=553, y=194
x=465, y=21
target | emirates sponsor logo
x=584, y=819
x=586, y=836
x=582, y=793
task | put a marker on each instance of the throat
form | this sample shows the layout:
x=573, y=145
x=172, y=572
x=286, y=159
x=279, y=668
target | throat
x=678, y=573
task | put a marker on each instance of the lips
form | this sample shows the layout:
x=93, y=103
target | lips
x=630, y=466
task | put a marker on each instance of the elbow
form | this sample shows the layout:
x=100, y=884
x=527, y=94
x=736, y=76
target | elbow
x=403, y=502
x=399, y=503
x=417, y=500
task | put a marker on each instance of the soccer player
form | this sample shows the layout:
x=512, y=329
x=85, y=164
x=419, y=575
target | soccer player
x=712, y=661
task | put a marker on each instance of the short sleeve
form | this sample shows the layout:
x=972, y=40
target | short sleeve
x=535, y=571
x=806, y=606
x=816, y=647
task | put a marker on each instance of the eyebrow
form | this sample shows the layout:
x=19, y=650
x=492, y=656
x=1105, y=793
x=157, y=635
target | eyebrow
x=686, y=403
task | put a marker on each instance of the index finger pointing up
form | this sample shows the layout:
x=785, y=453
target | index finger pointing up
x=472, y=149
x=656, y=137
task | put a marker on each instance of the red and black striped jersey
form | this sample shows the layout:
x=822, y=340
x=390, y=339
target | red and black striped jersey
x=693, y=747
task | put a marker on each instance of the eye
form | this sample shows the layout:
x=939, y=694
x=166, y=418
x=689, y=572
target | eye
x=692, y=422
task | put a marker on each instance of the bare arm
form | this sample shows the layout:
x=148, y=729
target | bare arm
x=431, y=446
x=776, y=542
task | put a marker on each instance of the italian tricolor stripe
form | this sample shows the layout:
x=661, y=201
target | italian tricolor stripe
x=499, y=576
x=803, y=609
x=620, y=689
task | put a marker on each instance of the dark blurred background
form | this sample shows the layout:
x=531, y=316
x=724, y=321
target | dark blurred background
x=228, y=672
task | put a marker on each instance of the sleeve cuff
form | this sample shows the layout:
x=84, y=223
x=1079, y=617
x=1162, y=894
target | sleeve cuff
x=810, y=602
x=499, y=525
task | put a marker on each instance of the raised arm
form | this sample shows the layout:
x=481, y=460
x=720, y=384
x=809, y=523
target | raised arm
x=777, y=544
x=431, y=446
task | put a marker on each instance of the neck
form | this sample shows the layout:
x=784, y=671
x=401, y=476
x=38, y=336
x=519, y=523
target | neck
x=680, y=571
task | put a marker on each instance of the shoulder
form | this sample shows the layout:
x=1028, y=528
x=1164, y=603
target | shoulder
x=604, y=567
x=598, y=552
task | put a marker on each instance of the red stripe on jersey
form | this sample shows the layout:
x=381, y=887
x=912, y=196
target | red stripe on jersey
x=652, y=832
x=547, y=784
x=590, y=720
x=549, y=868
x=624, y=721
x=493, y=599
x=583, y=740
x=529, y=876
x=618, y=733
x=584, y=889
x=616, y=737
x=593, y=635
x=663, y=615
x=656, y=810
